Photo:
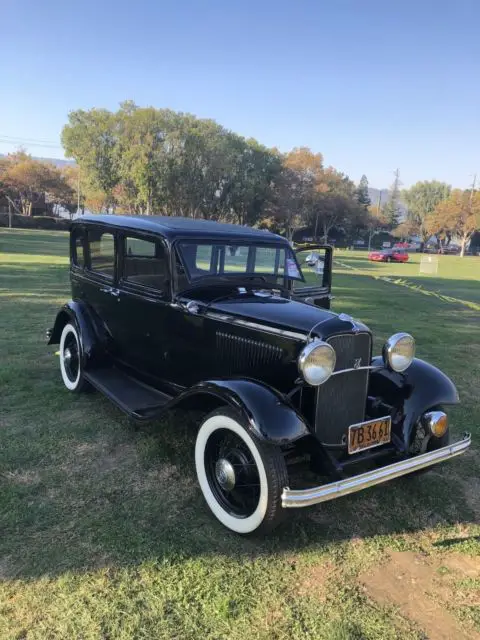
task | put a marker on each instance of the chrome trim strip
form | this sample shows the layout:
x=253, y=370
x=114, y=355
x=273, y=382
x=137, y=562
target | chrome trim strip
x=293, y=498
x=371, y=367
x=255, y=325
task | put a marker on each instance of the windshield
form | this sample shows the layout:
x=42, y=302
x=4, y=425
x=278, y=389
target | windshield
x=271, y=263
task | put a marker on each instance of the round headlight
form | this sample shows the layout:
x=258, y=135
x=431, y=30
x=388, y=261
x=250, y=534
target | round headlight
x=399, y=351
x=317, y=362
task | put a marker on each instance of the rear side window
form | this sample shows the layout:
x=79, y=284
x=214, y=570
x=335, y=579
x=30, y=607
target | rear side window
x=78, y=252
x=102, y=253
x=144, y=263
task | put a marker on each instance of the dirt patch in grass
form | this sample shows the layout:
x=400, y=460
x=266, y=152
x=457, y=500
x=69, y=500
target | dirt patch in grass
x=314, y=581
x=422, y=588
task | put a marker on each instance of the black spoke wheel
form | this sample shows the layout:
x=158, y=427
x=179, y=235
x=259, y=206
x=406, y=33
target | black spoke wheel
x=241, y=476
x=232, y=473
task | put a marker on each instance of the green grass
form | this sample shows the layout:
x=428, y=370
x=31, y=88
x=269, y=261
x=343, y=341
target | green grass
x=104, y=533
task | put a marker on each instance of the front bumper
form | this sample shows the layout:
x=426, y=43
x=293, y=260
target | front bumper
x=292, y=498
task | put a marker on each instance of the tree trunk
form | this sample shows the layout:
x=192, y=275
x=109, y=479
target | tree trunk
x=316, y=228
x=326, y=229
x=370, y=236
x=464, y=242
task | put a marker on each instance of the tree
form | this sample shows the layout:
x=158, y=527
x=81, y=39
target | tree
x=255, y=170
x=335, y=203
x=363, y=197
x=421, y=200
x=300, y=178
x=91, y=138
x=391, y=209
x=458, y=215
x=27, y=182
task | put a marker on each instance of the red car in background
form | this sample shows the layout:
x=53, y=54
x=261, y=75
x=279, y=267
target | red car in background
x=389, y=255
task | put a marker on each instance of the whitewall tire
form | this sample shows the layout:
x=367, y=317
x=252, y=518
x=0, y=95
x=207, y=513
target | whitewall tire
x=241, y=477
x=71, y=367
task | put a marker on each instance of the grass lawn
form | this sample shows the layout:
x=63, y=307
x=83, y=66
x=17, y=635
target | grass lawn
x=104, y=533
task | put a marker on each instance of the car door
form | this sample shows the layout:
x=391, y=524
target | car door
x=144, y=295
x=315, y=260
x=98, y=283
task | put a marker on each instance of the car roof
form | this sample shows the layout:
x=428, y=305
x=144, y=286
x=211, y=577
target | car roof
x=176, y=227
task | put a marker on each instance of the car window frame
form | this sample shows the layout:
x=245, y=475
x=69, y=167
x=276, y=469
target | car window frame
x=216, y=242
x=135, y=287
x=74, y=266
x=98, y=275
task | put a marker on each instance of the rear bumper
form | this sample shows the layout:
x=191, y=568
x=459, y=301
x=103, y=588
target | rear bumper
x=292, y=498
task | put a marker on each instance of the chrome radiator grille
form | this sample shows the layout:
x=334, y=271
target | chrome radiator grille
x=341, y=400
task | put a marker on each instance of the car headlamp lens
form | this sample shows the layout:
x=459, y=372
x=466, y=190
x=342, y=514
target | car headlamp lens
x=317, y=362
x=399, y=352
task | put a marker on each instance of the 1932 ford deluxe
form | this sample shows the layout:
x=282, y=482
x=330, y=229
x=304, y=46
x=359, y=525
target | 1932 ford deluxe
x=172, y=312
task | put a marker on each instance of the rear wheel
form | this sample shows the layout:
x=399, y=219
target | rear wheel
x=71, y=367
x=241, y=477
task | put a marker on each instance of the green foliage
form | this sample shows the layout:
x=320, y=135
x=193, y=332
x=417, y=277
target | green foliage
x=146, y=160
x=363, y=197
x=91, y=137
x=391, y=209
x=422, y=199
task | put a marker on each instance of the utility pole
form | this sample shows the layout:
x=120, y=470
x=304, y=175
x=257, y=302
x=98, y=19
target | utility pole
x=473, y=189
x=78, y=193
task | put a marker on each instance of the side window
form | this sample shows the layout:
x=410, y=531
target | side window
x=145, y=263
x=102, y=253
x=78, y=253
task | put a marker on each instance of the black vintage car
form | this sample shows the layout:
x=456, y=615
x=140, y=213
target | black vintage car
x=171, y=312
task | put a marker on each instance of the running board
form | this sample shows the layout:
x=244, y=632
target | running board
x=136, y=399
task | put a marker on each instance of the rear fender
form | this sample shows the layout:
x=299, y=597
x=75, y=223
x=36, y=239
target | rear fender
x=412, y=393
x=269, y=416
x=92, y=336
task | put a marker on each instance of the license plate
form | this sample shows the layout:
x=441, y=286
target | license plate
x=369, y=434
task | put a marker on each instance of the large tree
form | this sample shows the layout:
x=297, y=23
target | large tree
x=335, y=204
x=91, y=138
x=421, y=200
x=459, y=216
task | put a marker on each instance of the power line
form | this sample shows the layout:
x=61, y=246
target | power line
x=34, y=142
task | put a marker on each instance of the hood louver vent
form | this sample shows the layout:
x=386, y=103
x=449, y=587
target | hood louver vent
x=245, y=354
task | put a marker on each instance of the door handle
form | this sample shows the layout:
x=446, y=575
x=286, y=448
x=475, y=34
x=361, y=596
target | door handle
x=111, y=291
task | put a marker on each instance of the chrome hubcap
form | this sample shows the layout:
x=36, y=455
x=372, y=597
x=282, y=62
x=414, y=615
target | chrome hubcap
x=67, y=355
x=225, y=474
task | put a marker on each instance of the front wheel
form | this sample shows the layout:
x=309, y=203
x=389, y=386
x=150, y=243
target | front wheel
x=71, y=366
x=241, y=477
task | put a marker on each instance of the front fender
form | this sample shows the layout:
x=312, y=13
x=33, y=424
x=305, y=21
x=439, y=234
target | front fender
x=89, y=329
x=268, y=413
x=421, y=387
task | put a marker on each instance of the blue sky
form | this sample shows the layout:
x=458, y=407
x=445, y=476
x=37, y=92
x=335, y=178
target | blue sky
x=372, y=85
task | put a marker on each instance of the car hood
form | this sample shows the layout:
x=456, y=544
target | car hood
x=287, y=315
